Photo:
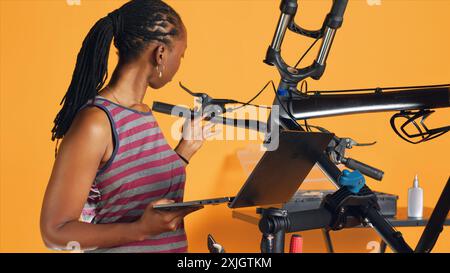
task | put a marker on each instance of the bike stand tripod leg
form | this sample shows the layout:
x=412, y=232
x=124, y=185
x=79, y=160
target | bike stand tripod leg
x=372, y=217
x=278, y=243
x=383, y=246
x=275, y=223
x=435, y=224
x=273, y=226
x=328, y=242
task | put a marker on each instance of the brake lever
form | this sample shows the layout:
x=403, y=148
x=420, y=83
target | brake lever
x=209, y=104
x=351, y=143
x=338, y=145
x=205, y=97
x=342, y=141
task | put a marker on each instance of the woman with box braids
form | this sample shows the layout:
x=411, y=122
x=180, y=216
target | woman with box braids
x=133, y=26
x=114, y=163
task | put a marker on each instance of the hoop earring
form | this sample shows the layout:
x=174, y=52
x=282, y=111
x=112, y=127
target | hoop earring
x=160, y=71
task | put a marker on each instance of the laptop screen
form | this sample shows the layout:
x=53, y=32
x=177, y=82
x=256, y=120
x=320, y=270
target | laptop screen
x=279, y=173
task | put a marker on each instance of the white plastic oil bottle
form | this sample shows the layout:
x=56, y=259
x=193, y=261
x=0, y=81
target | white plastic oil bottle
x=415, y=200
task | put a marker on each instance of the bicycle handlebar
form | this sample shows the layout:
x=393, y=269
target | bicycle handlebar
x=364, y=168
x=180, y=111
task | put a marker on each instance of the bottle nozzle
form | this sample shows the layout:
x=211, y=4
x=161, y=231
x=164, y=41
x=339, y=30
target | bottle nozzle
x=416, y=181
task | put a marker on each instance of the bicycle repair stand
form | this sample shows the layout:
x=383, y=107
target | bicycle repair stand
x=347, y=207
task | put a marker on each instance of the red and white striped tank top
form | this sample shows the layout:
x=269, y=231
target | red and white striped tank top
x=142, y=168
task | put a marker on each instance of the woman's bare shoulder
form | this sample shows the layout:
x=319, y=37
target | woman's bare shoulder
x=90, y=123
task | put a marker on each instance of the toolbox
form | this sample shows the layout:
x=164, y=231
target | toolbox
x=311, y=199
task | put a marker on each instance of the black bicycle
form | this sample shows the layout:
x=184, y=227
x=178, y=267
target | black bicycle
x=412, y=104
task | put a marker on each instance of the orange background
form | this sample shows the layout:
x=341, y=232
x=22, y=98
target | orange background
x=396, y=43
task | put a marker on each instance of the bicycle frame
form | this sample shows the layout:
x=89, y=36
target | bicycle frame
x=296, y=105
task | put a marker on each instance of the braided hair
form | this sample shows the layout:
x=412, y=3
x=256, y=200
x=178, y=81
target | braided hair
x=132, y=26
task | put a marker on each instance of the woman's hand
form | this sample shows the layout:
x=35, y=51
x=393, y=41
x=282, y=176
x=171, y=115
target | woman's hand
x=154, y=221
x=193, y=136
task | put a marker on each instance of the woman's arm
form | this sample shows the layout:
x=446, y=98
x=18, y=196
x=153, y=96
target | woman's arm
x=76, y=165
x=74, y=170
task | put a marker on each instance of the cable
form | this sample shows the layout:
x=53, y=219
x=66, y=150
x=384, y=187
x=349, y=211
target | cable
x=304, y=83
x=252, y=99
x=248, y=103
x=244, y=104
x=307, y=126
x=377, y=89
x=284, y=108
x=306, y=52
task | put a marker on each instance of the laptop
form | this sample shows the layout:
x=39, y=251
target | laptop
x=278, y=174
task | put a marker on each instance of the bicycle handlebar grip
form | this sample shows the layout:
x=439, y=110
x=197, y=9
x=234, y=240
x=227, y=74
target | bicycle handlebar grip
x=171, y=109
x=309, y=219
x=180, y=111
x=364, y=168
x=162, y=107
